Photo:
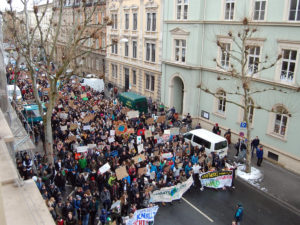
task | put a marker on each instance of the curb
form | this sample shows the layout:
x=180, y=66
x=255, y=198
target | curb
x=273, y=197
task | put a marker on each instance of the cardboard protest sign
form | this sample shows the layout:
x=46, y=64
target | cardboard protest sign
x=183, y=130
x=156, y=153
x=121, y=129
x=150, y=121
x=139, y=158
x=140, y=148
x=174, y=131
x=63, y=116
x=132, y=114
x=72, y=94
x=148, y=133
x=60, y=106
x=73, y=126
x=180, y=165
x=116, y=204
x=167, y=132
x=90, y=146
x=104, y=168
x=125, y=110
x=130, y=131
x=161, y=119
x=138, y=140
x=63, y=128
x=70, y=139
x=121, y=172
x=142, y=171
x=81, y=149
x=83, y=95
x=111, y=140
x=95, y=108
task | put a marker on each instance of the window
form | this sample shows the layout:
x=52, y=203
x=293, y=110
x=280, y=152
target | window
x=150, y=82
x=114, y=48
x=220, y=145
x=221, y=96
x=288, y=65
x=182, y=9
x=188, y=136
x=229, y=9
x=253, y=59
x=126, y=21
x=225, y=49
x=134, y=21
x=126, y=48
x=250, y=110
x=134, y=49
x=281, y=119
x=150, y=52
x=114, y=18
x=201, y=141
x=114, y=70
x=180, y=50
x=259, y=10
x=103, y=42
x=151, y=21
x=134, y=77
x=294, y=14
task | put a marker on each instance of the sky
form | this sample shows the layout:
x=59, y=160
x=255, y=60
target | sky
x=17, y=4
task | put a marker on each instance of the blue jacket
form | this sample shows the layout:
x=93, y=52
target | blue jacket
x=194, y=159
x=239, y=214
x=187, y=170
x=259, y=153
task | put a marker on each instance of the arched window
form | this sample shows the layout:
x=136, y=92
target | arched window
x=221, y=96
x=281, y=119
x=250, y=109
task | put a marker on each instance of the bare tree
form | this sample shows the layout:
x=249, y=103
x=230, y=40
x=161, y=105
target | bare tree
x=31, y=38
x=243, y=69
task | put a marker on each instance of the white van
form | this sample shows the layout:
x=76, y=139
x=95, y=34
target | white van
x=212, y=142
x=10, y=92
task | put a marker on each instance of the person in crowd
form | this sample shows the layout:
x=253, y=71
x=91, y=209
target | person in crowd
x=259, y=155
x=254, y=145
x=216, y=129
x=238, y=216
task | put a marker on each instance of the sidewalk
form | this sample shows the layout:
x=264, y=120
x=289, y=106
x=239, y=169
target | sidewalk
x=277, y=182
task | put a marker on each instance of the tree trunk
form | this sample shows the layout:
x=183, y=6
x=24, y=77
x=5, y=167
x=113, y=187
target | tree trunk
x=49, y=138
x=248, y=134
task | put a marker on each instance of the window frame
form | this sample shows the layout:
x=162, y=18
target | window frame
x=126, y=21
x=133, y=77
x=134, y=49
x=289, y=61
x=151, y=22
x=149, y=82
x=114, y=69
x=297, y=12
x=126, y=49
x=282, y=115
x=180, y=47
x=115, y=21
x=255, y=57
x=231, y=11
x=182, y=14
x=220, y=93
x=150, y=52
x=259, y=11
x=134, y=21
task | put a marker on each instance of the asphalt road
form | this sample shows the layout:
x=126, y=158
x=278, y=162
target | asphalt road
x=219, y=206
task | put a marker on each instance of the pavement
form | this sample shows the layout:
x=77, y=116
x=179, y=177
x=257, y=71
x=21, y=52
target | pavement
x=277, y=182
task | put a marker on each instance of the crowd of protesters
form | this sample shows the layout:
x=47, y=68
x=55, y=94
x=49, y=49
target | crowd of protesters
x=84, y=117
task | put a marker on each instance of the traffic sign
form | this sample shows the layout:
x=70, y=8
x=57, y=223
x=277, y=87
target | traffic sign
x=243, y=125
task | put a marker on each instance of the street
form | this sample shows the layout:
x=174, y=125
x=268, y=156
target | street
x=219, y=206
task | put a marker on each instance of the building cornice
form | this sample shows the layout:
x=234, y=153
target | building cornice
x=259, y=80
x=223, y=22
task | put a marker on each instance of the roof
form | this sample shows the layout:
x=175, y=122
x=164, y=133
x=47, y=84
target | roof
x=33, y=107
x=207, y=135
x=132, y=96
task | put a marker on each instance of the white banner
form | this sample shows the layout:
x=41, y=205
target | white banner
x=81, y=149
x=133, y=114
x=146, y=214
x=216, y=179
x=170, y=194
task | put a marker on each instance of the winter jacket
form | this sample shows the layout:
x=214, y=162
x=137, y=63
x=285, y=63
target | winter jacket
x=259, y=153
x=239, y=214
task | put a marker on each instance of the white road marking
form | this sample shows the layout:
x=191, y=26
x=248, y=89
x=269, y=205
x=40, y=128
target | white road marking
x=198, y=210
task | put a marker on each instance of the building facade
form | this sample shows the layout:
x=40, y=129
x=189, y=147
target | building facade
x=94, y=61
x=134, y=46
x=192, y=57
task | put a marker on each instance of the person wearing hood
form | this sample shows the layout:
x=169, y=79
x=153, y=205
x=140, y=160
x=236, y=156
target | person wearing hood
x=238, y=216
x=103, y=216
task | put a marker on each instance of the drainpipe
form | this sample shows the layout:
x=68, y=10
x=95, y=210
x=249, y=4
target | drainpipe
x=202, y=50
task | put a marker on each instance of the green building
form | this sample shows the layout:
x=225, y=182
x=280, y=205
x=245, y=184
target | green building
x=191, y=30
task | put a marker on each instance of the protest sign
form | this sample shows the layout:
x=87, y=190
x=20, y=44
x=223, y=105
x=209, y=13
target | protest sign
x=139, y=158
x=161, y=119
x=148, y=133
x=169, y=194
x=142, y=171
x=174, y=131
x=73, y=126
x=117, y=205
x=130, y=131
x=87, y=127
x=150, y=121
x=63, y=128
x=104, y=168
x=60, y=106
x=121, y=172
x=70, y=139
x=218, y=179
x=72, y=94
x=146, y=214
x=140, y=148
x=166, y=137
x=167, y=155
x=121, y=129
x=138, y=140
x=133, y=114
x=90, y=146
x=183, y=130
x=95, y=108
x=63, y=116
x=83, y=95
x=111, y=140
x=167, y=132
x=81, y=149
x=112, y=132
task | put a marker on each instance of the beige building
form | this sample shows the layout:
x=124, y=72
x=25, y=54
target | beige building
x=135, y=42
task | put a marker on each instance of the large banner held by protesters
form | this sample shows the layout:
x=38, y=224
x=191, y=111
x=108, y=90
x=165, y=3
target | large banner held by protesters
x=146, y=214
x=170, y=194
x=218, y=179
